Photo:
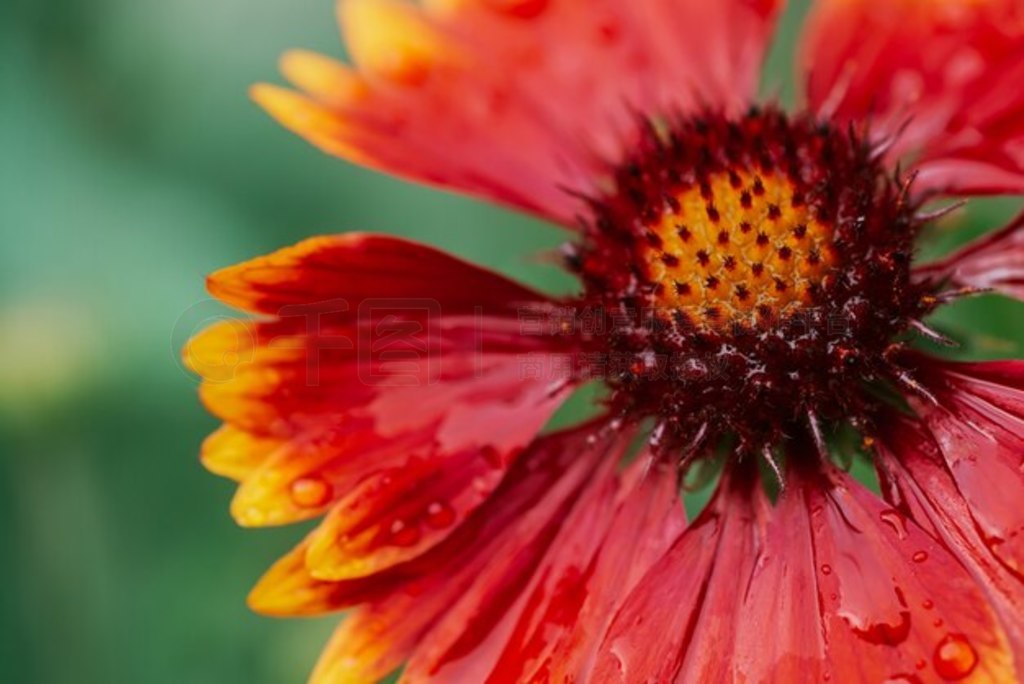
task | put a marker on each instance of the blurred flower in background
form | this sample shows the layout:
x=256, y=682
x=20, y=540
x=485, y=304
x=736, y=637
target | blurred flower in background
x=50, y=352
x=133, y=164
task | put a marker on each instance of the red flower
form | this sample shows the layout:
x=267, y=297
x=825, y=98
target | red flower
x=748, y=293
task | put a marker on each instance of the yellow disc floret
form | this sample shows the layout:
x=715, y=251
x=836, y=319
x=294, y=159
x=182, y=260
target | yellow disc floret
x=738, y=245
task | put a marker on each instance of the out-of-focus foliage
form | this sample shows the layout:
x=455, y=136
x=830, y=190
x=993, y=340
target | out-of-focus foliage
x=132, y=164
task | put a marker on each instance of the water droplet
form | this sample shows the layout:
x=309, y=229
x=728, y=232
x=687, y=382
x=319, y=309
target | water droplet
x=879, y=632
x=894, y=520
x=403, y=534
x=921, y=664
x=885, y=633
x=920, y=557
x=826, y=569
x=954, y=657
x=998, y=547
x=927, y=604
x=938, y=622
x=439, y=515
x=310, y=492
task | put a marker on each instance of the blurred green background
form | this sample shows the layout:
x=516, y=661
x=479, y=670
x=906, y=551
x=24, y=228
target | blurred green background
x=131, y=165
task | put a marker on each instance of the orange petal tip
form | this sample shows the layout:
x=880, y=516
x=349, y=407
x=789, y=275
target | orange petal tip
x=216, y=353
x=327, y=80
x=235, y=453
x=313, y=120
x=391, y=39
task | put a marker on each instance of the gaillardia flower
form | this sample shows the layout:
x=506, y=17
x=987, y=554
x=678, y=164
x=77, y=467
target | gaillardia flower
x=749, y=298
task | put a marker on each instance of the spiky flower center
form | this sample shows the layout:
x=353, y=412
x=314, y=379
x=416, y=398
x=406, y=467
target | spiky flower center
x=753, y=270
x=737, y=243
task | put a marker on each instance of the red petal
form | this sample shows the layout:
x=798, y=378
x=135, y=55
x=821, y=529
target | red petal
x=497, y=547
x=333, y=392
x=839, y=587
x=781, y=597
x=896, y=603
x=289, y=588
x=679, y=623
x=276, y=379
x=979, y=426
x=492, y=417
x=995, y=262
x=359, y=316
x=468, y=640
x=586, y=576
x=398, y=514
x=432, y=98
x=916, y=480
x=948, y=71
x=352, y=269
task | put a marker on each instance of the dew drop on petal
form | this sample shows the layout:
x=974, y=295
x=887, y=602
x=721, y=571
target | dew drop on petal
x=920, y=557
x=826, y=569
x=886, y=633
x=439, y=515
x=310, y=492
x=927, y=604
x=403, y=534
x=903, y=679
x=890, y=633
x=895, y=521
x=954, y=657
x=999, y=549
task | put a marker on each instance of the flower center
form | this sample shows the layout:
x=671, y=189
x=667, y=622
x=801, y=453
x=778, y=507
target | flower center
x=753, y=270
x=735, y=244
